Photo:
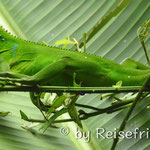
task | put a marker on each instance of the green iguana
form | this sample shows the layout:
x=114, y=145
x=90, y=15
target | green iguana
x=30, y=63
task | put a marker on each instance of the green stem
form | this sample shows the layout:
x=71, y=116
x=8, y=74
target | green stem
x=79, y=90
x=145, y=51
x=84, y=37
x=87, y=106
x=107, y=109
x=117, y=109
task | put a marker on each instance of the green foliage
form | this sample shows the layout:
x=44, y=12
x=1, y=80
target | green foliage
x=3, y=114
x=115, y=39
x=64, y=42
x=23, y=115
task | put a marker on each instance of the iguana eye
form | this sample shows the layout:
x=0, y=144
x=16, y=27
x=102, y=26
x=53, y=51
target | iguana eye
x=3, y=39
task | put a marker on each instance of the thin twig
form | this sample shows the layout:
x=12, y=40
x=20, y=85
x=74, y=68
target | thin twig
x=145, y=51
x=87, y=106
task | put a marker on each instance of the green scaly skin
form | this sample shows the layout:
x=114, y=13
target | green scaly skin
x=32, y=63
x=36, y=64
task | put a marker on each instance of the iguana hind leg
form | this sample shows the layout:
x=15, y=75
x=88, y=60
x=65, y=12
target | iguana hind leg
x=131, y=63
x=50, y=71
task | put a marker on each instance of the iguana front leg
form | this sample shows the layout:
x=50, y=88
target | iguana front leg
x=3, y=68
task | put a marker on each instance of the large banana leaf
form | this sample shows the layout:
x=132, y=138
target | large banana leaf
x=52, y=20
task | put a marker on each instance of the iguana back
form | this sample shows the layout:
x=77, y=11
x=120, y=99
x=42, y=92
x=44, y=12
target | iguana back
x=29, y=58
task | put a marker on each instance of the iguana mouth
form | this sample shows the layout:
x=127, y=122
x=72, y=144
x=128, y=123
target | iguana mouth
x=4, y=50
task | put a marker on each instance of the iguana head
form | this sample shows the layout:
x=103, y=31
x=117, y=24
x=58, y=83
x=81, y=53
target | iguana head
x=8, y=43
